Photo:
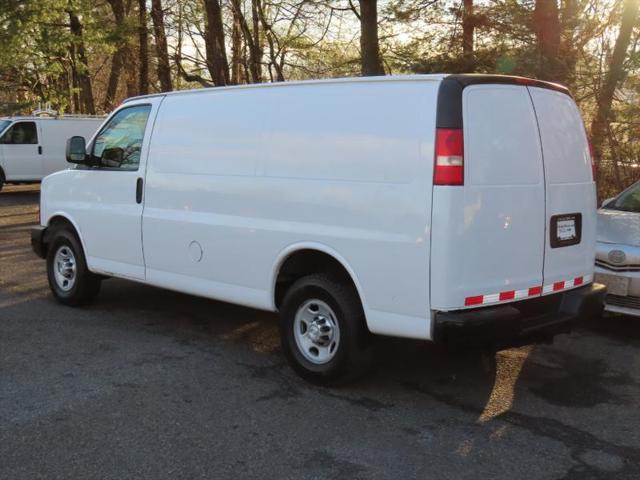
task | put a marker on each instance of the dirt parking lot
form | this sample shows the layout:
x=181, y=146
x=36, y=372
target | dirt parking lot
x=147, y=383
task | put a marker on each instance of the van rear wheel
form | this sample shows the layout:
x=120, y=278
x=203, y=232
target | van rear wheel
x=70, y=280
x=323, y=331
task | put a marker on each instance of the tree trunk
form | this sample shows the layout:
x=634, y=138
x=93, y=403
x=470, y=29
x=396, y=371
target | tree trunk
x=117, y=60
x=237, y=76
x=252, y=40
x=569, y=51
x=143, y=48
x=546, y=26
x=73, y=77
x=214, y=44
x=613, y=78
x=112, y=84
x=131, y=71
x=80, y=65
x=370, y=48
x=256, y=51
x=468, y=26
x=164, y=69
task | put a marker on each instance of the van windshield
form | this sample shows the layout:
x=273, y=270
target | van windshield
x=4, y=124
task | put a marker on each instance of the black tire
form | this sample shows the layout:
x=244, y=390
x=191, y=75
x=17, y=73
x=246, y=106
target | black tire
x=2, y=179
x=353, y=353
x=86, y=284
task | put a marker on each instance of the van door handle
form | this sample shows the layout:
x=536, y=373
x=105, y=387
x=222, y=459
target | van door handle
x=39, y=149
x=139, y=190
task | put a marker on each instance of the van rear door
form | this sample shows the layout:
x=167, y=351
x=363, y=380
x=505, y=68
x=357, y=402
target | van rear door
x=570, y=192
x=488, y=234
x=522, y=222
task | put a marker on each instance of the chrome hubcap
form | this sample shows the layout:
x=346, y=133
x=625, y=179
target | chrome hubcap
x=316, y=331
x=64, y=268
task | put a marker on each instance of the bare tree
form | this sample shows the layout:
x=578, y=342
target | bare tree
x=216, y=53
x=164, y=68
x=468, y=27
x=371, y=64
x=119, y=56
x=546, y=26
x=80, y=67
x=143, y=48
x=237, y=50
x=252, y=39
x=613, y=78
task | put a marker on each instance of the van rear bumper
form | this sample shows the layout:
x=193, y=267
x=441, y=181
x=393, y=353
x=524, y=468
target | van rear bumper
x=520, y=322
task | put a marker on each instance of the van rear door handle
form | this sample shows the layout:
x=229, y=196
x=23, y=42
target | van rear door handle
x=139, y=190
x=39, y=149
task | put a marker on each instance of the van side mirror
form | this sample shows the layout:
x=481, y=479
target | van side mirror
x=76, y=150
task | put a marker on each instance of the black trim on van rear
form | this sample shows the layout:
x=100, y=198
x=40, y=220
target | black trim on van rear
x=449, y=112
x=520, y=322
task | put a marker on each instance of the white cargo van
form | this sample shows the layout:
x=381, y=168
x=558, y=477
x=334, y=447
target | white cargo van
x=33, y=147
x=430, y=207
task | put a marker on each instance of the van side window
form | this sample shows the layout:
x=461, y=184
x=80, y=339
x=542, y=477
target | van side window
x=21, y=133
x=119, y=143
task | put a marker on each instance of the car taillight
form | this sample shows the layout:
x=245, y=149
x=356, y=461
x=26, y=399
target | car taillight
x=449, y=162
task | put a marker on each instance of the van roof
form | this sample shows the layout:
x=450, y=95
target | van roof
x=464, y=80
x=328, y=81
x=57, y=117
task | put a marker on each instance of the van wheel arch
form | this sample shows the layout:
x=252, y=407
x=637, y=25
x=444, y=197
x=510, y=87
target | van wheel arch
x=57, y=223
x=308, y=261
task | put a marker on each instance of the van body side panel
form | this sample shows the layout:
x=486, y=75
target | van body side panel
x=237, y=177
x=360, y=182
x=488, y=235
x=200, y=224
x=570, y=186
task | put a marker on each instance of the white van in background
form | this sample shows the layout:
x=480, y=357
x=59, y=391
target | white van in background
x=33, y=147
x=435, y=207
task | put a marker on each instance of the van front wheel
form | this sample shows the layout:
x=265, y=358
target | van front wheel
x=323, y=331
x=70, y=280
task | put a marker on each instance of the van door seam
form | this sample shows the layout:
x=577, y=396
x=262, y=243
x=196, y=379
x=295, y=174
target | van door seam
x=544, y=183
x=144, y=186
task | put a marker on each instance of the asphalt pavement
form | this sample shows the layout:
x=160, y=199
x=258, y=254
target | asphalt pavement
x=147, y=383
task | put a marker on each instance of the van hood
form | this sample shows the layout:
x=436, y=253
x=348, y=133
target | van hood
x=615, y=226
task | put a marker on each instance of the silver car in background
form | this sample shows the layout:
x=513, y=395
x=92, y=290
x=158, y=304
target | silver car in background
x=618, y=251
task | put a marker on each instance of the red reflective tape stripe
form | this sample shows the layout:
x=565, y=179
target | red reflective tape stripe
x=510, y=295
x=477, y=300
x=558, y=286
x=535, y=291
x=578, y=281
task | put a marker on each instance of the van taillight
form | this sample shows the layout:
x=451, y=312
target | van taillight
x=449, y=163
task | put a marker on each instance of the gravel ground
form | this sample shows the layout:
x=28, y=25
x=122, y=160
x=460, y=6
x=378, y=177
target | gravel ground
x=147, y=383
